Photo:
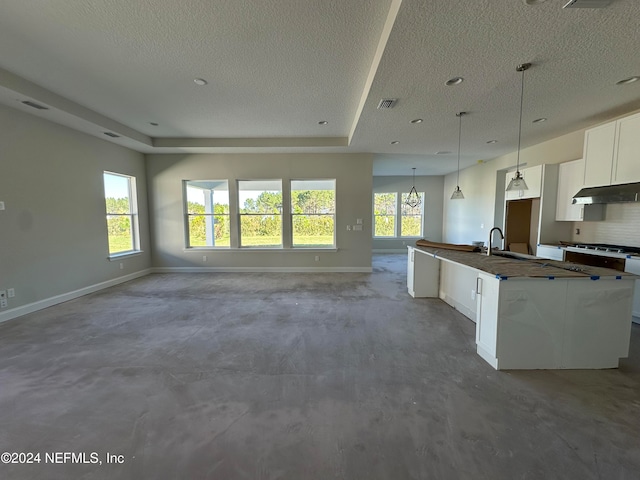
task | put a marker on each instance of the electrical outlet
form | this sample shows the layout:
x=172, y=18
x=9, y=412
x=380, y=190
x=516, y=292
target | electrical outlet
x=122, y=266
x=3, y=299
x=204, y=258
x=348, y=228
x=1, y=205
x=11, y=292
x=317, y=258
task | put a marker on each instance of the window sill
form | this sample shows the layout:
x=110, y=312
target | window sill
x=120, y=256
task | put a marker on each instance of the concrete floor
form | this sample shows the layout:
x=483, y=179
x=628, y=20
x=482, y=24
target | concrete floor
x=297, y=376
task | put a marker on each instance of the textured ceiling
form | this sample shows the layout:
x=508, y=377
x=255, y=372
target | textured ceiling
x=277, y=68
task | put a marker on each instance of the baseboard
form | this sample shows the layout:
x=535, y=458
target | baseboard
x=463, y=309
x=261, y=270
x=65, y=297
x=389, y=250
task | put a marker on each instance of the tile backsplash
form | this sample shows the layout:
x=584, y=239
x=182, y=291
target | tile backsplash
x=621, y=226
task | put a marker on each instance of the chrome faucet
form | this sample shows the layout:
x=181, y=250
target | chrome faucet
x=491, y=236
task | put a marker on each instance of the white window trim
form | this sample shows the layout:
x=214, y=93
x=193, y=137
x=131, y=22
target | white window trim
x=133, y=208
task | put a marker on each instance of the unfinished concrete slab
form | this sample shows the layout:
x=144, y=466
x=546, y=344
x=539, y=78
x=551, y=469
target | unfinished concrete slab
x=296, y=376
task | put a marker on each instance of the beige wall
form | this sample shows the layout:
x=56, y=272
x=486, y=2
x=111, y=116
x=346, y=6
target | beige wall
x=53, y=233
x=433, y=189
x=353, y=174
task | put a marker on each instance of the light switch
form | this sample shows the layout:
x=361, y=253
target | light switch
x=357, y=228
x=1, y=205
x=359, y=221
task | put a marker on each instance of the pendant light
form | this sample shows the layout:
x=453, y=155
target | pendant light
x=517, y=183
x=413, y=199
x=457, y=193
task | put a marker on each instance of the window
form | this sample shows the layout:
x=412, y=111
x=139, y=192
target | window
x=122, y=213
x=260, y=204
x=313, y=206
x=411, y=218
x=207, y=213
x=384, y=214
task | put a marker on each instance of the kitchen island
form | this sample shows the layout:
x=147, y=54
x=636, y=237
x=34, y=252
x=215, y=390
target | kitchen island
x=533, y=313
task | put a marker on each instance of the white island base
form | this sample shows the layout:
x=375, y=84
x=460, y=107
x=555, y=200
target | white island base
x=540, y=323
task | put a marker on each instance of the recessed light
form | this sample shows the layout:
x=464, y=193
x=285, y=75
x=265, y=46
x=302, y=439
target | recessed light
x=200, y=81
x=153, y=123
x=395, y=142
x=417, y=120
x=627, y=81
x=492, y=141
x=323, y=122
x=443, y=152
x=454, y=81
x=539, y=120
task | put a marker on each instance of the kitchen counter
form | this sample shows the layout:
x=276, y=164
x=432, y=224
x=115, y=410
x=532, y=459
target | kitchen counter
x=521, y=266
x=531, y=313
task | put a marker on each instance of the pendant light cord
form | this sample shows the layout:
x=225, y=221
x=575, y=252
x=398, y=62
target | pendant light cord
x=459, y=140
x=520, y=124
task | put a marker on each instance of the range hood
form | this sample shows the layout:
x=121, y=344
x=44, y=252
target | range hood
x=628, y=192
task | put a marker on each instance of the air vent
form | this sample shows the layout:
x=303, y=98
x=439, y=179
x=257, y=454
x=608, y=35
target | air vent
x=387, y=103
x=588, y=4
x=112, y=135
x=35, y=105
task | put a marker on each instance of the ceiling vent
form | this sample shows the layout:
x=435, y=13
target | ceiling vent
x=35, y=105
x=112, y=135
x=588, y=4
x=387, y=103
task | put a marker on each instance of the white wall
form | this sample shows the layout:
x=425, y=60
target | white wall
x=433, y=202
x=353, y=174
x=53, y=233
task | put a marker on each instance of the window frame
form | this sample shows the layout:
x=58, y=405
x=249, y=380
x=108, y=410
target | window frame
x=239, y=215
x=421, y=207
x=133, y=215
x=292, y=215
x=395, y=215
x=188, y=215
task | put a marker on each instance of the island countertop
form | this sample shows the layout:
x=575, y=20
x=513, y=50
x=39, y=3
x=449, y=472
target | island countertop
x=524, y=266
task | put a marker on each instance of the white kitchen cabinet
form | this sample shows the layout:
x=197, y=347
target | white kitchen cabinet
x=626, y=167
x=487, y=288
x=570, y=181
x=423, y=275
x=533, y=177
x=611, y=153
x=599, y=145
x=550, y=252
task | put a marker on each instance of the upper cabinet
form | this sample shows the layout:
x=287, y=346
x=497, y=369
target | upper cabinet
x=612, y=153
x=533, y=177
x=626, y=168
x=570, y=175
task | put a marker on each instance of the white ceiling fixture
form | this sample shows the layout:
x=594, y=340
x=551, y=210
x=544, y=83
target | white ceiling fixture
x=323, y=122
x=587, y=4
x=454, y=81
x=417, y=120
x=627, y=81
x=200, y=81
x=539, y=120
x=517, y=183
